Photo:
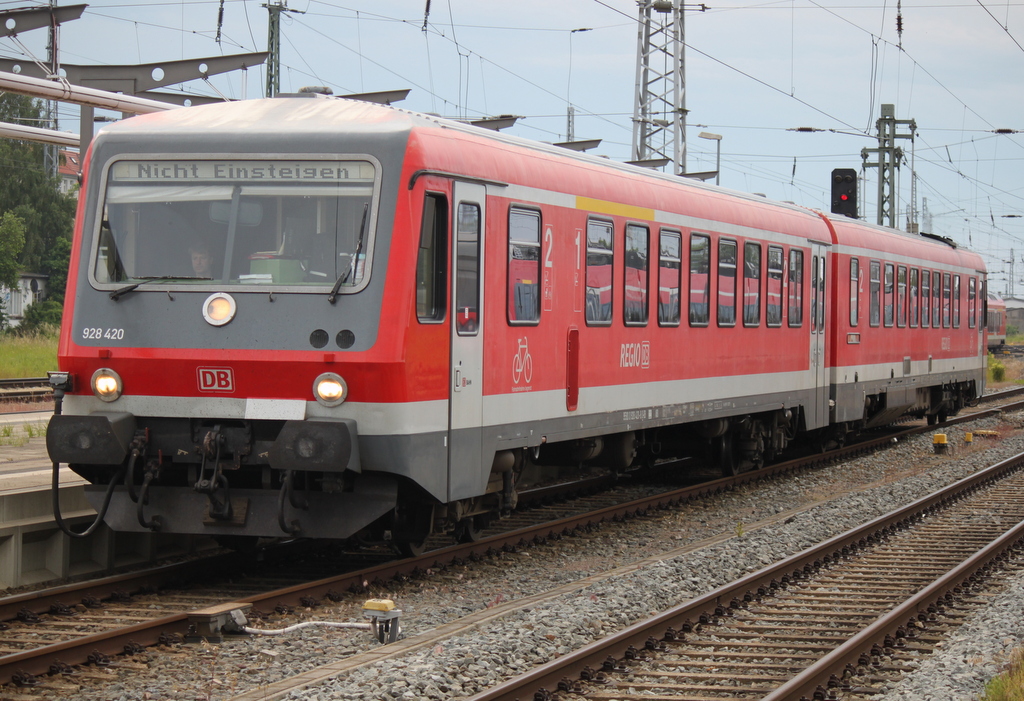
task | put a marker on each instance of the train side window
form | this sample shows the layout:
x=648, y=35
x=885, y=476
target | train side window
x=956, y=301
x=523, y=266
x=773, y=289
x=875, y=293
x=796, y=287
x=726, y=282
x=700, y=279
x=467, y=284
x=914, y=296
x=854, y=291
x=599, y=272
x=887, y=295
x=936, y=299
x=635, y=282
x=669, y=270
x=972, y=302
x=431, y=263
x=751, y=284
x=901, y=296
x=926, y=298
x=945, y=300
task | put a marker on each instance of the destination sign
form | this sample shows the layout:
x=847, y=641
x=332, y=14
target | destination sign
x=241, y=171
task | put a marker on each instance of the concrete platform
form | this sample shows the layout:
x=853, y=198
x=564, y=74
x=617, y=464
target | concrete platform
x=33, y=549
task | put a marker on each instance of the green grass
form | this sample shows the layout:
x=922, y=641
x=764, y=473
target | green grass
x=28, y=356
x=16, y=436
x=1009, y=686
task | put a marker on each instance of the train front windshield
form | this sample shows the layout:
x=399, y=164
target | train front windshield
x=279, y=223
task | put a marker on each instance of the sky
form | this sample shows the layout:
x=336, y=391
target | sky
x=754, y=72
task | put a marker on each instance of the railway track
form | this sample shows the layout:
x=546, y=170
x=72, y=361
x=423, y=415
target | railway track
x=833, y=622
x=88, y=630
x=24, y=389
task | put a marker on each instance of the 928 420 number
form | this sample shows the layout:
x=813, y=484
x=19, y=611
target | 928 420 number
x=92, y=333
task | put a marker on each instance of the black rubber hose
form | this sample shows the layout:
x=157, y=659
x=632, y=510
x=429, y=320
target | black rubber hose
x=58, y=399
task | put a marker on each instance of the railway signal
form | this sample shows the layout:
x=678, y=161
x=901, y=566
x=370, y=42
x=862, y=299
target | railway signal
x=844, y=192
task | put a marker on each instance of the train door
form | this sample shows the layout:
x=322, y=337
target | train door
x=818, y=415
x=466, y=405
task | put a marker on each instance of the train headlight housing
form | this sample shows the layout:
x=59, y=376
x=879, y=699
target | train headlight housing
x=329, y=389
x=106, y=384
x=219, y=308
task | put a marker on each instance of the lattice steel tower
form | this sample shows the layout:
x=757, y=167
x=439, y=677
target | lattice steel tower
x=889, y=158
x=275, y=8
x=659, y=106
x=659, y=109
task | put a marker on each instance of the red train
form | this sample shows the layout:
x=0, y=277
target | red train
x=407, y=319
x=996, y=322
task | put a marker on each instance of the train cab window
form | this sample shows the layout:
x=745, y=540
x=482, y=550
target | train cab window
x=751, y=284
x=854, y=291
x=887, y=295
x=796, y=287
x=926, y=298
x=669, y=271
x=523, y=266
x=875, y=293
x=914, y=296
x=599, y=273
x=972, y=302
x=901, y=296
x=773, y=289
x=431, y=263
x=635, y=282
x=700, y=279
x=956, y=301
x=296, y=225
x=945, y=300
x=726, y=282
x=467, y=283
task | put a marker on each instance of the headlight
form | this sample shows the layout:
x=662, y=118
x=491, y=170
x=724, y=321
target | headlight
x=329, y=389
x=219, y=308
x=106, y=384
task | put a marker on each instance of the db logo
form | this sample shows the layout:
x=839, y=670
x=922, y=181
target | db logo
x=216, y=379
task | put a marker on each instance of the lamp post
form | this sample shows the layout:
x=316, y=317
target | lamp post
x=717, y=138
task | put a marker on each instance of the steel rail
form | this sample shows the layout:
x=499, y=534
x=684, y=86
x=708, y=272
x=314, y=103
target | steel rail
x=547, y=677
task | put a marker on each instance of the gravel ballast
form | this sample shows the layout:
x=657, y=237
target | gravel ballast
x=460, y=666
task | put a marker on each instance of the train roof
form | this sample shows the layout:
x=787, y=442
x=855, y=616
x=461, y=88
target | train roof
x=295, y=118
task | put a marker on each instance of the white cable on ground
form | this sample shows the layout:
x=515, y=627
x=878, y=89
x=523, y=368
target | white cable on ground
x=289, y=629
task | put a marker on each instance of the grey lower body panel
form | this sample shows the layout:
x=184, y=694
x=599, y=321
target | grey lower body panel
x=256, y=511
x=907, y=393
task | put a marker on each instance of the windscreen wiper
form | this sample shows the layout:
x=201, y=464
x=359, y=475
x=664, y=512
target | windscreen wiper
x=355, y=258
x=117, y=294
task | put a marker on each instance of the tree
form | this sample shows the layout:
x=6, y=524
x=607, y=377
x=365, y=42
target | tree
x=33, y=196
x=12, y=241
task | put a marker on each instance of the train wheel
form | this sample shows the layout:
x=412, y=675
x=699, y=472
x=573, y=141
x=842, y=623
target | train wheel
x=411, y=548
x=932, y=419
x=725, y=457
x=468, y=530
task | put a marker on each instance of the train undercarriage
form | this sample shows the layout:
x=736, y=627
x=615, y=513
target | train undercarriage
x=221, y=475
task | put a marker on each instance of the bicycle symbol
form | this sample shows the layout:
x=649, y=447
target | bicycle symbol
x=522, y=364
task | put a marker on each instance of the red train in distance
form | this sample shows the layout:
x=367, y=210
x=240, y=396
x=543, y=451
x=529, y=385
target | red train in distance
x=408, y=319
x=996, y=322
